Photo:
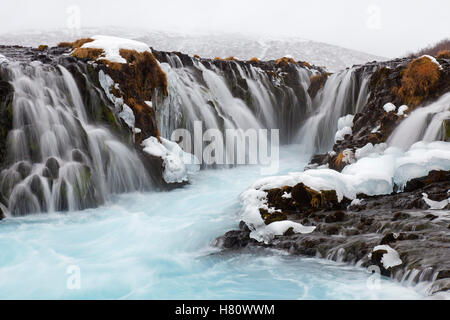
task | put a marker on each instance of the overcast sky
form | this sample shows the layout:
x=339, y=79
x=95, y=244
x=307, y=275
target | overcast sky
x=383, y=27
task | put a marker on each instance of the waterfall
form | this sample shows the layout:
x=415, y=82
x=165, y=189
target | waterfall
x=234, y=96
x=424, y=123
x=57, y=159
x=344, y=93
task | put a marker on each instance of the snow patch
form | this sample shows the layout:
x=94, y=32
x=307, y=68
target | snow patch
x=372, y=175
x=286, y=195
x=112, y=45
x=370, y=149
x=391, y=258
x=402, y=109
x=345, y=125
x=254, y=199
x=177, y=164
x=432, y=59
x=435, y=205
x=356, y=202
x=389, y=107
x=127, y=115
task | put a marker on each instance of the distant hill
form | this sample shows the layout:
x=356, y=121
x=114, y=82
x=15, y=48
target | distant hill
x=434, y=49
x=333, y=57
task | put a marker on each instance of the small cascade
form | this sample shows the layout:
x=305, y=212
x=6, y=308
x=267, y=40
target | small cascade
x=58, y=160
x=234, y=96
x=423, y=124
x=344, y=93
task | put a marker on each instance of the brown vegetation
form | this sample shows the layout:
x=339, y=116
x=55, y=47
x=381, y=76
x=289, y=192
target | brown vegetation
x=87, y=53
x=443, y=54
x=254, y=59
x=138, y=79
x=418, y=81
x=42, y=47
x=285, y=61
x=196, y=56
x=316, y=83
x=231, y=58
x=76, y=44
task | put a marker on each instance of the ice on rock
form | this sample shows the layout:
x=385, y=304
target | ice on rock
x=356, y=202
x=374, y=174
x=402, y=109
x=345, y=125
x=389, y=107
x=127, y=115
x=254, y=199
x=391, y=258
x=106, y=82
x=435, y=205
x=177, y=163
x=286, y=195
x=370, y=149
x=112, y=45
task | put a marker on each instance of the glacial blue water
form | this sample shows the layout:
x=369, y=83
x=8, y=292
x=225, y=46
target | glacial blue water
x=157, y=245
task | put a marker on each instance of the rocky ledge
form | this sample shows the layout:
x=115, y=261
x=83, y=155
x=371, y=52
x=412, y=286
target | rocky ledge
x=365, y=232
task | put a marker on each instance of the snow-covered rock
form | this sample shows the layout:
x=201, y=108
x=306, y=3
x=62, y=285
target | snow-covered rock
x=112, y=45
x=390, y=259
x=435, y=205
x=389, y=107
x=401, y=110
x=177, y=163
x=372, y=175
x=345, y=125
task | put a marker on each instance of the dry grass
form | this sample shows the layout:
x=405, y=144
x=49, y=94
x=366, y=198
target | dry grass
x=285, y=61
x=145, y=70
x=196, y=56
x=418, y=81
x=231, y=58
x=76, y=44
x=306, y=64
x=254, y=59
x=218, y=59
x=443, y=54
x=42, y=47
x=87, y=53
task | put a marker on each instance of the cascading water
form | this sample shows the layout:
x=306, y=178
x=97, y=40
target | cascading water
x=423, y=124
x=344, y=93
x=240, y=97
x=58, y=160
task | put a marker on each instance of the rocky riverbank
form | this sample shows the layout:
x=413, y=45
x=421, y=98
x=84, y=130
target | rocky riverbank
x=405, y=229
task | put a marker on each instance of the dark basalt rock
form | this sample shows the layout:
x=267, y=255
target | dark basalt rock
x=420, y=237
x=53, y=167
x=24, y=169
x=385, y=78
